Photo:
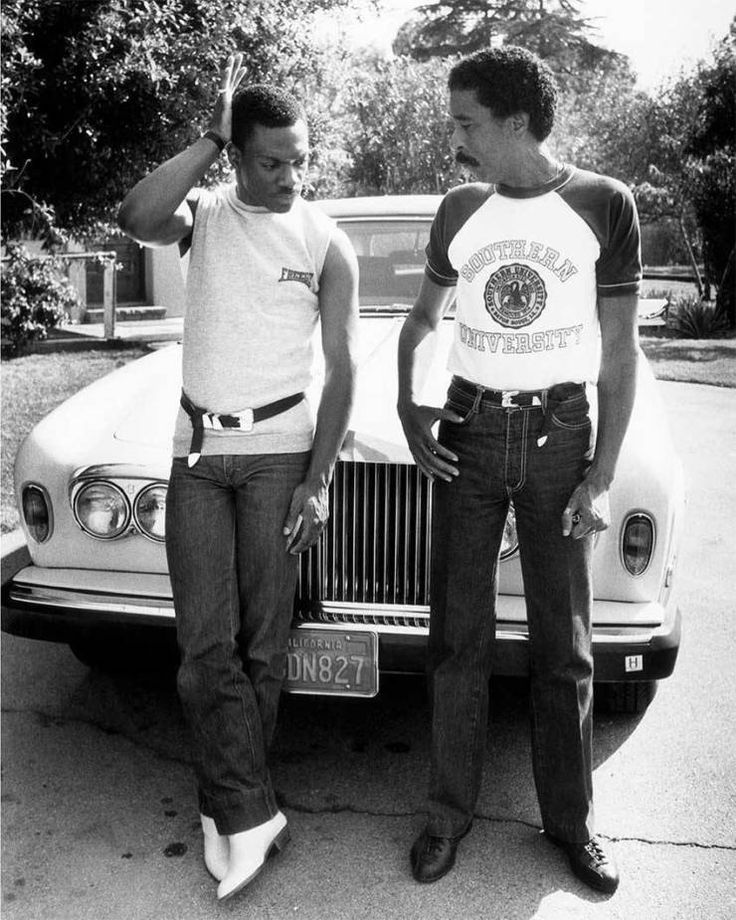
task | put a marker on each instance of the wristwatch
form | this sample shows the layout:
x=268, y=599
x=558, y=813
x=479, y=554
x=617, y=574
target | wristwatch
x=216, y=139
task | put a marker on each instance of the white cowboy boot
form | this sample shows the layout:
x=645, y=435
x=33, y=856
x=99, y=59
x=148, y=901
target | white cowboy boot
x=249, y=851
x=216, y=849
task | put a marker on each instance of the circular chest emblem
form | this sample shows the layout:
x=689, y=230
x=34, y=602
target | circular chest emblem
x=515, y=295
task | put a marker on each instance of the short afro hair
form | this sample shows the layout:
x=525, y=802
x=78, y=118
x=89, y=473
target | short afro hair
x=263, y=105
x=509, y=80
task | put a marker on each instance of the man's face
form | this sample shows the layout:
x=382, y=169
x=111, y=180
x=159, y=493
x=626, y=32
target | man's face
x=270, y=170
x=480, y=140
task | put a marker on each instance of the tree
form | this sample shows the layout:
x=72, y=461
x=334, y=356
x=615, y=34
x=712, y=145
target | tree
x=556, y=30
x=98, y=92
x=398, y=141
x=711, y=143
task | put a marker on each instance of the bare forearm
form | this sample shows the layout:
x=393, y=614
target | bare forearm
x=413, y=333
x=616, y=393
x=151, y=204
x=333, y=418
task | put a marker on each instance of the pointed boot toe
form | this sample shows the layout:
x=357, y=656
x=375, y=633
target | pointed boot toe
x=249, y=851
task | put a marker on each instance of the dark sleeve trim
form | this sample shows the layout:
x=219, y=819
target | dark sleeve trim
x=438, y=278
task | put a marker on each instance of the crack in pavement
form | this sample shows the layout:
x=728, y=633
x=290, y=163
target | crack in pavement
x=336, y=809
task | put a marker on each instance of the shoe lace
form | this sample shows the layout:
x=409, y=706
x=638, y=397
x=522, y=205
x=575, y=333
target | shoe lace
x=433, y=845
x=596, y=852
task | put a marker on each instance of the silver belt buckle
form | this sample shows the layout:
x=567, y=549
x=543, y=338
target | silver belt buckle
x=507, y=397
x=245, y=419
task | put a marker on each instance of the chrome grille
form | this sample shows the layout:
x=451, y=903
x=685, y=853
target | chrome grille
x=375, y=548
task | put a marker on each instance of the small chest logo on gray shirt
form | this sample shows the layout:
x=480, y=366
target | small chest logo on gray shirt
x=291, y=274
x=515, y=295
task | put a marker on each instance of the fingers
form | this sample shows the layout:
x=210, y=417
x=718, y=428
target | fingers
x=291, y=531
x=578, y=522
x=232, y=73
x=305, y=521
x=432, y=457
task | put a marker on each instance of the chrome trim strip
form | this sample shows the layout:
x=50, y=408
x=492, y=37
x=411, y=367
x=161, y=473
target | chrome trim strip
x=153, y=608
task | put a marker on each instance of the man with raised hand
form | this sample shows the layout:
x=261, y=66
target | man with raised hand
x=251, y=470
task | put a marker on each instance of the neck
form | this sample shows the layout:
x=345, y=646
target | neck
x=533, y=167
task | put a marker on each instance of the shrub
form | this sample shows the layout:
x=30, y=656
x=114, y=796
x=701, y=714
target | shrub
x=697, y=319
x=35, y=297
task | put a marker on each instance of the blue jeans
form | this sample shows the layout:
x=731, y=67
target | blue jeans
x=499, y=462
x=233, y=586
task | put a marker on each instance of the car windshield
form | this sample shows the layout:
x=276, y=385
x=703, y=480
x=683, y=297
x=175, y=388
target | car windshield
x=391, y=260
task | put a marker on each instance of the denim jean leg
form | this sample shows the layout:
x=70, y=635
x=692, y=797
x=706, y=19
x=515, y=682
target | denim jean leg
x=217, y=697
x=266, y=573
x=467, y=527
x=557, y=575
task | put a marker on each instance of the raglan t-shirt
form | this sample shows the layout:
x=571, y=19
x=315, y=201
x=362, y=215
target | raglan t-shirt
x=530, y=265
x=252, y=307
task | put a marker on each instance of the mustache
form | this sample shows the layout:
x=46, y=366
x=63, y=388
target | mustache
x=465, y=159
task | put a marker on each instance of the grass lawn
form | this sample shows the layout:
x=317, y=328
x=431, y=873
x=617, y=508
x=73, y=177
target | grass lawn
x=711, y=361
x=33, y=385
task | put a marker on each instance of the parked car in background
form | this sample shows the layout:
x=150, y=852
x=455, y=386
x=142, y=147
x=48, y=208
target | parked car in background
x=91, y=481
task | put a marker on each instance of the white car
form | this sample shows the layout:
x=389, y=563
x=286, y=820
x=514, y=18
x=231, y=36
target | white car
x=91, y=480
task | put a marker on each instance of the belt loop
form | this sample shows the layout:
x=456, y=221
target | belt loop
x=546, y=423
x=479, y=390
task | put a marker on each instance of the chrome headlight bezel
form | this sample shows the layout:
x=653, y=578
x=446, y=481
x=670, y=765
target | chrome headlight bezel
x=137, y=514
x=80, y=490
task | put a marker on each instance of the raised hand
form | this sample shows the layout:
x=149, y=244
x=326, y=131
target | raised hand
x=230, y=78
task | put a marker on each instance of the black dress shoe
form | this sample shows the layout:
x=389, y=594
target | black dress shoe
x=432, y=857
x=590, y=862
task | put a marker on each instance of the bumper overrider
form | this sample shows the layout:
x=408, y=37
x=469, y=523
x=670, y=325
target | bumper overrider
x=62, y=604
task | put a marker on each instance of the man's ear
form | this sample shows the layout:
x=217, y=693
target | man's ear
x=519, y=122
x=234, y=155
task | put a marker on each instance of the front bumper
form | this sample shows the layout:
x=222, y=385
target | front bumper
x=639, y=642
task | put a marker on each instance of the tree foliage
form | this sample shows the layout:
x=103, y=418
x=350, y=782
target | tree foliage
x=398, y=137
x=34, y=297
x=98, y=92
x=556, y=30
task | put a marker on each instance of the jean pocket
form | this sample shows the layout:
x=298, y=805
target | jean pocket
x=465, y=409
x=571, y=413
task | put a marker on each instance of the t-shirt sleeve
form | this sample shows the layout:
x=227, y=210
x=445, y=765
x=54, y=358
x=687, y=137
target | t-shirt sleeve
x=438, y=267
x=618, y=269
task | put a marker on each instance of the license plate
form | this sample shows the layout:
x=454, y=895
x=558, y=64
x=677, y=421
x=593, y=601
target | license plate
x=335, y=662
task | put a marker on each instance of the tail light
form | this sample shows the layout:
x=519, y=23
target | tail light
x=37, y=512
x=637, y=543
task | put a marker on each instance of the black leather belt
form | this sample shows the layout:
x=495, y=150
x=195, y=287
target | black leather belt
x=242, y=421
x=517, y=399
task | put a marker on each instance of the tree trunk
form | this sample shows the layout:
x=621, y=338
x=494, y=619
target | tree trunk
x=726, y=297
x=691, y=255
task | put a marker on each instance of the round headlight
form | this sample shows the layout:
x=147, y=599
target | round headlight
x=37, y=512
x=509, y=541
x=102, y=510
x=149, y=512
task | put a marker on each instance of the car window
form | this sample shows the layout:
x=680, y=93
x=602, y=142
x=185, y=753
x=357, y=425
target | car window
x=391, y=259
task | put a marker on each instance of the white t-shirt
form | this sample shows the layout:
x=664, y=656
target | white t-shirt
x=530, y=265
x=252, y=307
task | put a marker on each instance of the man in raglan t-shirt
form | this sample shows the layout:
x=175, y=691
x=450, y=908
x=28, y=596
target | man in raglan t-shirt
x=249, y=480
x=544, y=265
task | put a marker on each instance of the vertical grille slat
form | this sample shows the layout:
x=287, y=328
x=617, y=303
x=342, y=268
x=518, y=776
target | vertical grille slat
x=376, y=546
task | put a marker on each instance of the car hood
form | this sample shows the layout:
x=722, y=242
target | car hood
x=375, y=432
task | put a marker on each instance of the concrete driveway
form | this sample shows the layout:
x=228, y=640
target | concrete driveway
x=100, y=821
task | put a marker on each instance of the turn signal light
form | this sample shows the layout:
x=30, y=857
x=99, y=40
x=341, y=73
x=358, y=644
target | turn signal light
x=637, y=543
x=37, y=512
